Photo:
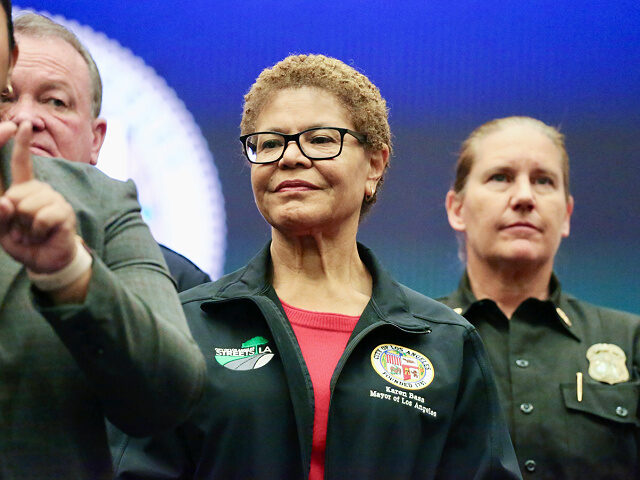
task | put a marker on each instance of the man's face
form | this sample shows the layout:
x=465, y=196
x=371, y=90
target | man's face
x=52, y=89
x=514, y=207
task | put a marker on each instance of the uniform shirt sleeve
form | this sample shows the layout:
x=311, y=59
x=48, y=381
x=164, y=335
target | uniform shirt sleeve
x=478, y=446
x=129, y=337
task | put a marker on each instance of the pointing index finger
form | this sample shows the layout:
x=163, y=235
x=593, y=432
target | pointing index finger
x=21, y=164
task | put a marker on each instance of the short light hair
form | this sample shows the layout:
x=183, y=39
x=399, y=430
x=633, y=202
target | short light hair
x=39, y=26
x=357, y=94
x=469, y=147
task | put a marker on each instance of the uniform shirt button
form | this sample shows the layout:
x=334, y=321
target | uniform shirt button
x=522, y=363
x=526, y=407
x=621, y=411
x=530, y=465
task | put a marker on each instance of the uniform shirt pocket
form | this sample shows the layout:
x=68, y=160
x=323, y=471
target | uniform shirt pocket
x=617, y=403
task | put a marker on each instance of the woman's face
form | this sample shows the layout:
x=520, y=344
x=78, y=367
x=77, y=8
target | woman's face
x=513, y=207
x=300, y=196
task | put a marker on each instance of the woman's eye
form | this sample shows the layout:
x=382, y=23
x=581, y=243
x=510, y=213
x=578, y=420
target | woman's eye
x=269, y=144
x=320, y=139
x=498, y=177
x=544, y=181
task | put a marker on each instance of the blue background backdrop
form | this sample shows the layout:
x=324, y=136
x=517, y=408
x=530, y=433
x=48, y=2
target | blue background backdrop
x=444, y=68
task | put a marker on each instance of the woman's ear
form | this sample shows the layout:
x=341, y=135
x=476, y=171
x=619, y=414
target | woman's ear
x=454, y=203
x=378, y=161
x=567, y=219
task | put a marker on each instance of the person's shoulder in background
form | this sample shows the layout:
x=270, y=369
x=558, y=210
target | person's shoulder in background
x=185, y=273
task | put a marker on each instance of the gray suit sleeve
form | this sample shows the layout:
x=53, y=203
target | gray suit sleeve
x=130, y=337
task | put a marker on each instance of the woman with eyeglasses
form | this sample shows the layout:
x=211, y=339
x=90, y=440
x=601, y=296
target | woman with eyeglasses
x=320, y=365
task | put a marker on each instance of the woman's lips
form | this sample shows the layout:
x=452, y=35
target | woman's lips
x=295, y=186
x=524, y=227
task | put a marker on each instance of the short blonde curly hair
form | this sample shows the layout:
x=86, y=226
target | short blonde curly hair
x=360, y=97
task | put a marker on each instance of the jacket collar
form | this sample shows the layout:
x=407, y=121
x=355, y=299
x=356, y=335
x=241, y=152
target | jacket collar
x=463, y=298
x=388, y=302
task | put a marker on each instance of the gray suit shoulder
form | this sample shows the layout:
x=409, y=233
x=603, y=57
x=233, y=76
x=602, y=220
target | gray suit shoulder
x=83, y=184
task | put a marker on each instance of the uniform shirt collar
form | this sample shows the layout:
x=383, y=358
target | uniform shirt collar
x=463, y=299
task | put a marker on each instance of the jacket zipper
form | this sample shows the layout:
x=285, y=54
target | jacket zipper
x=343, y=359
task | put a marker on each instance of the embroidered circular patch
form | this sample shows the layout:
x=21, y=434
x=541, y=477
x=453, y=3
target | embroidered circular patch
x=402, y=366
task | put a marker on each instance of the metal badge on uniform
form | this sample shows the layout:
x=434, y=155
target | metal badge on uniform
x=607, y=363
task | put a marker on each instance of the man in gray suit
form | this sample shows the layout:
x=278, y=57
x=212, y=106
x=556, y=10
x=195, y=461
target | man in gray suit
x=57, y=87
x=90, y=325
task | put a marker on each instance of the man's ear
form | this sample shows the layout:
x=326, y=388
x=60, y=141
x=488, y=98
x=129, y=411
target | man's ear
x=453, y=203
x=99, y=130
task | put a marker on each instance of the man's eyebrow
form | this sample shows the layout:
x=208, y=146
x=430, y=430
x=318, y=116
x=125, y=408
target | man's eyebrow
x=53, y=84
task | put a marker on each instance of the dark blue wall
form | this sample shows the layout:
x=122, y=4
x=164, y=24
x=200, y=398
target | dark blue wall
x=444, y=67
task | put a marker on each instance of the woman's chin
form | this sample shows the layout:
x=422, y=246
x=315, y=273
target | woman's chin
x=300, y=227
x=297, y=218
x=525, y=256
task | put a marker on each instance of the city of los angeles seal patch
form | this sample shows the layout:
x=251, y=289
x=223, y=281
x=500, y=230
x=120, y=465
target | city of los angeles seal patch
x=252, y=354
x=402, y=366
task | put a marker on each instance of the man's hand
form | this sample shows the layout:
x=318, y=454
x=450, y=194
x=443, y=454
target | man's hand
x=37, y=225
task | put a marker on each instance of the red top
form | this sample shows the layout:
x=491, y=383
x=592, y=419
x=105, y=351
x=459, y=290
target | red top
x=322, y=338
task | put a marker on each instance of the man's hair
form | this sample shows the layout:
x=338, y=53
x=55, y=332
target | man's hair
x=6, y=5
x=355, y=92
x=39, y=26
x=468, y=151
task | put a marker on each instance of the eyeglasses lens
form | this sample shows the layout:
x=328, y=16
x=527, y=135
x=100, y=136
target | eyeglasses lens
x=316, y=143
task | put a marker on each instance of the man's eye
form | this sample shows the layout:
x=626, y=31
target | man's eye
x=56, y=102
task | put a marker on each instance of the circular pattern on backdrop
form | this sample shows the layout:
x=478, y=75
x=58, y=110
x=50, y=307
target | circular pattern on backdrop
x=153, y=139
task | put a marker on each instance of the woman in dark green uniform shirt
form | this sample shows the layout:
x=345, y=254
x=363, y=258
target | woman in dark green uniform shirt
x=566, y=370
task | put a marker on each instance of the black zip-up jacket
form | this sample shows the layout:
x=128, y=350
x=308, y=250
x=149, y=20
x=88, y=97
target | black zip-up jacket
x=412, y=397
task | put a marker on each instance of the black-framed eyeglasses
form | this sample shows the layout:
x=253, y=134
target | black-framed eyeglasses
x=319, y=143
